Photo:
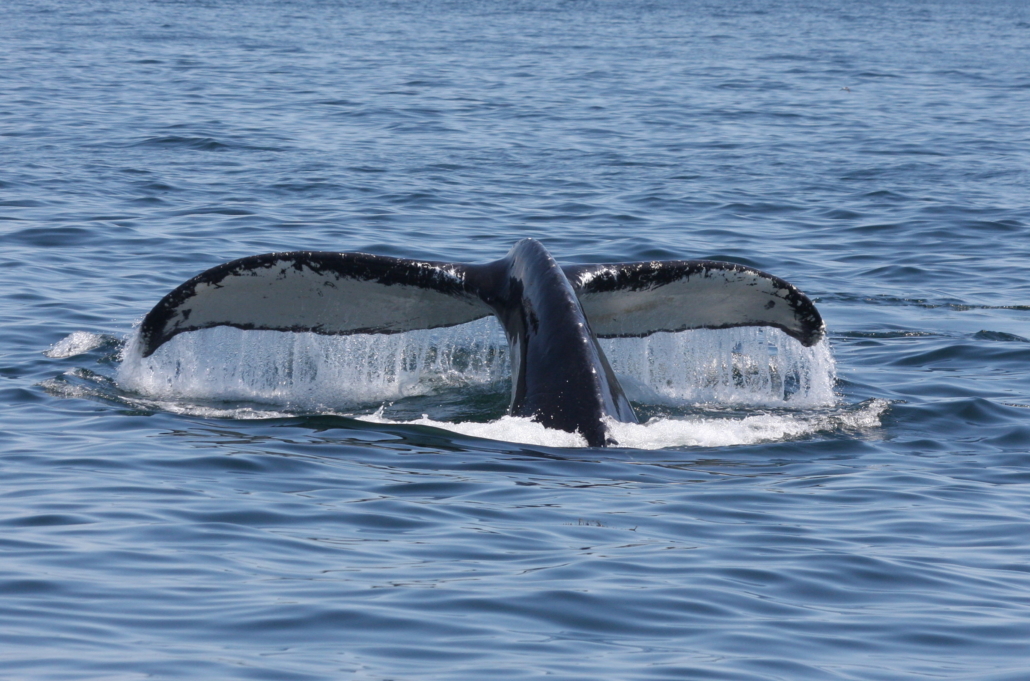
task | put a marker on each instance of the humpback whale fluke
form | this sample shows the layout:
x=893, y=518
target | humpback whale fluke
x=552, y=315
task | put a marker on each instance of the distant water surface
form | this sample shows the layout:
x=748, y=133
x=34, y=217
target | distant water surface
x=269, y=506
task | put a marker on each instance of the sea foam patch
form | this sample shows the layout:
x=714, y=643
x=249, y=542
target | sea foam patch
x=666, y=433
x=662, y=433
x=507, y=428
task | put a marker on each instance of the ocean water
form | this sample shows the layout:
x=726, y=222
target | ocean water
x=256, y=505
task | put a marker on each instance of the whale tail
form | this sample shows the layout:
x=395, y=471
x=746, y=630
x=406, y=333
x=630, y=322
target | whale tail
x=642, y=298
x=552, y=316
x=320, y=292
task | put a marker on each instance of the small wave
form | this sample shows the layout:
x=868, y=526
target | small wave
x=1000, y=336
x=895, y=301
x=53, y=237
x=199, y=143
x=84, y=384
x=884, y=335
x=196, y=143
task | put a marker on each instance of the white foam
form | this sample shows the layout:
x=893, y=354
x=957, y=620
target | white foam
x=506, y=428
x=664, y=433
x=77, y=343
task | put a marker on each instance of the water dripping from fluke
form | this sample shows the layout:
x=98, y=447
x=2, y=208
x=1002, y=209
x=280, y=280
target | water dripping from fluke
x=704, y=387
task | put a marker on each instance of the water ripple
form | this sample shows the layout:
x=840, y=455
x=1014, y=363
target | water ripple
x=797, y=518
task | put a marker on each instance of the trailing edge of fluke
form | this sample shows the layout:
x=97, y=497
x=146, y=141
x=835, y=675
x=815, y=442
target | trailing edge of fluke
x=552, y=315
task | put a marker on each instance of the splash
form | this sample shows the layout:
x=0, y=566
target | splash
x=687, y=374
x=507, y=428
x=77, y=343
x=663, y=433
x=666, y=433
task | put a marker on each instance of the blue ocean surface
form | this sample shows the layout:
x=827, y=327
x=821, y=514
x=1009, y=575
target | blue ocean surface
x=261, y=505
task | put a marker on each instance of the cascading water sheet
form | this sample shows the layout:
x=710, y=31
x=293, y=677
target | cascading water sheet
x=691, y=378
x=306, y=371
x=749, y=366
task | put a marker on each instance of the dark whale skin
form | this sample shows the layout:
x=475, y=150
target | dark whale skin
x=552, y=316
x=560, y=376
